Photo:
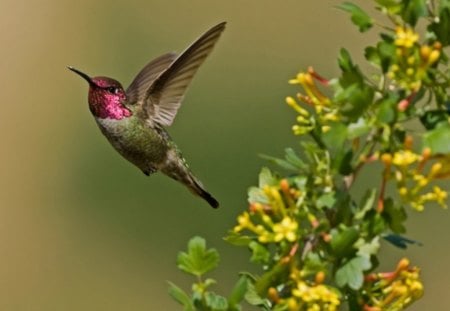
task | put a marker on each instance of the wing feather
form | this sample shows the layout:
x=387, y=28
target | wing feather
x=164, y=96
x=137, y=90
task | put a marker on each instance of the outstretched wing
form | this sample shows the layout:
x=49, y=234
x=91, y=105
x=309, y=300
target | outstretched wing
x=137, y=90
x=163, y=98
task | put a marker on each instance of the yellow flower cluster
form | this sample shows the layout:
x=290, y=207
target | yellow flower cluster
x=412, y=59
x=276, y=220
x=281, y=225
x=308, y=295
x=313, y=98
x=393, y=291
x=413, y=184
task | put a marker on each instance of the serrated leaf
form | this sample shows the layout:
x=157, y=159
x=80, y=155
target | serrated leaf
x=367, y=249
x=386, y=52
x=326, y=200
x=237, y=239
x=371, y=54
x=342, y=241
x=313, y=264
x=252, y=297
x=358, y=128
x=438, y=139
x=413, y=10
x=294, y=159
x=387, y=110
x=198, y=260
x=260, y=254
x=216, y=302
x=266, y=178
x=358, y=16
x=209, y=282
x=181, y=297
x=343, y=162
x=434, y=118
x=394, y=216
x=238, y=292
x=335, y=138
x=377, y=224
x=392, y=6
x=366, y=204
x=351, y=74
x=273, y=276
x=352, y=273
x=354, y=100
x=256, y=194
x=280, y=162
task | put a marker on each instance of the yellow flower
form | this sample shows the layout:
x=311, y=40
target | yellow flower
x=316, y=297
x=405, y=37
x=404, y=158
x=286, y=230
x=440, y=196
x=243, y=222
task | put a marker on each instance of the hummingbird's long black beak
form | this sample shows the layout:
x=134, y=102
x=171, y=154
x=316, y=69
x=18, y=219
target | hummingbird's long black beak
x=82, y=74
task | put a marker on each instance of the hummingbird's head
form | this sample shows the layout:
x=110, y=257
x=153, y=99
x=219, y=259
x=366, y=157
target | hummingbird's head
x=106, y=96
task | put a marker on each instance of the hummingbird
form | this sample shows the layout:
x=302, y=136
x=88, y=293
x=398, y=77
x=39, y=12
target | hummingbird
x=134, y=120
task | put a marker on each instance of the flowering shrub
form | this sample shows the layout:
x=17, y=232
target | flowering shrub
x=317, y=244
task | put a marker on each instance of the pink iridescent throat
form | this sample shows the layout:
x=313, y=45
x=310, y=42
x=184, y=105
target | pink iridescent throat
x=104, y=104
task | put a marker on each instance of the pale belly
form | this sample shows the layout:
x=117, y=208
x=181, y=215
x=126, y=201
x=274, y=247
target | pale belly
x=142, y=146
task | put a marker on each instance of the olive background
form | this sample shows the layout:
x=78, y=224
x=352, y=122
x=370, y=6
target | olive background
x=81, y=228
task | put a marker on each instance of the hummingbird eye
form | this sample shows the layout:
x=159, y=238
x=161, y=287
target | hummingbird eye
x=113, y=89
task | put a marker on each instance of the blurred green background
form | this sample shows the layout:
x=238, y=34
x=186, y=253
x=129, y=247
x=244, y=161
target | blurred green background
x=81, y=228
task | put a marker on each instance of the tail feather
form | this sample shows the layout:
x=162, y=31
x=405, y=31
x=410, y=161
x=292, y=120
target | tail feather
x=197, y=189
x=182, y=174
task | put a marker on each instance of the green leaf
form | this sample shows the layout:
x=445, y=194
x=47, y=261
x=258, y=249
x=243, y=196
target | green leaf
x=326, y=200
x=260, y=254
x=294, y=159
x=280, y=162
x=344, y=214
x=252, y=297
x=434, y=118
x=216, y=302
x=266, y=178
x=291, y=162
x=358, y=128
x=198, y=260
x=181, y=297
x=368, y=249
x=276, y=274
x=413, y=10
x=371, y=54
x=313, y=264
x=351, y=73
x=386, y=52
x=237, y=239
x=438, y=139
x=354, y=100
x=440, y=28
x=366, y=204
x=256, y=194
x=394, y=215
x=387, y=109
x=238, y=292
x=352, y=273
x=377, y=224
x=358, y=16
x=392, y=6
x=343, y=162
x=343, y=239
x=335, y=138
